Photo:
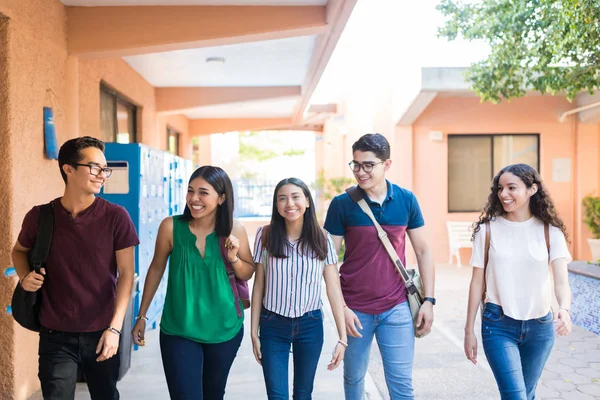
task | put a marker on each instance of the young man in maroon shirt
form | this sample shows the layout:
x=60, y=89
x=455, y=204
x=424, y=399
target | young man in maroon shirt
x=88, y=278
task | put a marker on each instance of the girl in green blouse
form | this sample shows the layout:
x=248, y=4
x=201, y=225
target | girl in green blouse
x=200, y=329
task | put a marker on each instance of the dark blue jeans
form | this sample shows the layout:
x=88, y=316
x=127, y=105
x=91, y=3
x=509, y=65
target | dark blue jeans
x=305, y=335
x=62, y=353
x=516, y=350
x=197, y=371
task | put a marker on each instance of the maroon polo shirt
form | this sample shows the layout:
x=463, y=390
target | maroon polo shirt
x=79, y=289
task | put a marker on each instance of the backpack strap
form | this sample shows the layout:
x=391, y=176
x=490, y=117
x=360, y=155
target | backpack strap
x=486, y=257
x=231, y=275
x=547, y=237
x=43, y=241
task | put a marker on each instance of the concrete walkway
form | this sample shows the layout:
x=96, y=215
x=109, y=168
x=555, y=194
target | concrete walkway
x=441, y=371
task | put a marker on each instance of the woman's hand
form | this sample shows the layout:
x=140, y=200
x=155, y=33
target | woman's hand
x=256, y=349
x=338, y=356
x=138, y=332
x=562, y=322
x=232, y=244
x=471, y=346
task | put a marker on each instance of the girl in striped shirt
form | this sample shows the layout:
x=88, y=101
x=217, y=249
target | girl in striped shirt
x=292, y=254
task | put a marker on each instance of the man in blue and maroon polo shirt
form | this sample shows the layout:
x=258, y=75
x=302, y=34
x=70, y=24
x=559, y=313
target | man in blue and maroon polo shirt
x=374, y=292
x=88, y=278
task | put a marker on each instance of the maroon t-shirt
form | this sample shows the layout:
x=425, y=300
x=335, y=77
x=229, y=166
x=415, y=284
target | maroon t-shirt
x=79, y=289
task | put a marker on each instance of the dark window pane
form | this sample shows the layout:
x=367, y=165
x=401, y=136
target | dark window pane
x=469, y=166
x=108, y=128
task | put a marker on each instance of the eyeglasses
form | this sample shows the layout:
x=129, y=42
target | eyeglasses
x=96, y=169
x=367, y=167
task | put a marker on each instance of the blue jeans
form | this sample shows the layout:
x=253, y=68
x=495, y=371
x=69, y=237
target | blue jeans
x=516, y=350
x=277, y=334
x=197, y=371
x=394, y=333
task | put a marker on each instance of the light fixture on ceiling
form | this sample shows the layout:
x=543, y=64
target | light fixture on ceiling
x=215, y=60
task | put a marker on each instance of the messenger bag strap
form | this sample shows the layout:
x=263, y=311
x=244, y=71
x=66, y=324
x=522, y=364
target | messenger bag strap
x=43, y=241
x=356, y=195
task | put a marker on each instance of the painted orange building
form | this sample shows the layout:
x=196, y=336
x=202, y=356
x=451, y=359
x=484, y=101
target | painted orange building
x=148, y=71
x=447, y=146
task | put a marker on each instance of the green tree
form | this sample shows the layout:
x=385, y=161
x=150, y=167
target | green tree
x=550, y=46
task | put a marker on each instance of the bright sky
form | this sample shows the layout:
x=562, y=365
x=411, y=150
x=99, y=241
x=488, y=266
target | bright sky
x=387, y=42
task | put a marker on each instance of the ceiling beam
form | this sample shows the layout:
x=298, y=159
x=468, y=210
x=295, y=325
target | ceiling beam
x=176, y=100
x=338, y=13
x=95, y=32
x=199, y=127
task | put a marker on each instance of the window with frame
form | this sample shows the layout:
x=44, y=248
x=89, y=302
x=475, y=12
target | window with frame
x=173, y=141
x=473, y=161
x=117, y=117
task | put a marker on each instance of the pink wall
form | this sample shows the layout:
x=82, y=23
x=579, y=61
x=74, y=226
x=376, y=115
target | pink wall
x=466, y=115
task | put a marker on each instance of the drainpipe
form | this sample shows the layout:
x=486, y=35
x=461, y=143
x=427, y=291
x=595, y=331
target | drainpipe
x=578, y=110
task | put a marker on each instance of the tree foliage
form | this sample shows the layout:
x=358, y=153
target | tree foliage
x=550, y=46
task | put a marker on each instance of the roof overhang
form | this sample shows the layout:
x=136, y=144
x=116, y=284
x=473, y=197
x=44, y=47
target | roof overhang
x=450, y=82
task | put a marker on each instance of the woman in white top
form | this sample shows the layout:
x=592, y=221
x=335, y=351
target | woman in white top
x=525, y=235
x=292, y=255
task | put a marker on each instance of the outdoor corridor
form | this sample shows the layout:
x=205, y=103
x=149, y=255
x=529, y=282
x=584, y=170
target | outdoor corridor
x=441, y=371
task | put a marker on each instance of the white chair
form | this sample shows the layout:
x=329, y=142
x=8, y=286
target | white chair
x=459, y=236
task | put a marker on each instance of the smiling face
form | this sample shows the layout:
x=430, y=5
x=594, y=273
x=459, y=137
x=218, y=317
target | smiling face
x=80, y=178
x=374, y=178
x=514, y=195
x=202, y=199
x=291, y=202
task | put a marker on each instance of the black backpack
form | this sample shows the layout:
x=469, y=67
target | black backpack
x=26, y=305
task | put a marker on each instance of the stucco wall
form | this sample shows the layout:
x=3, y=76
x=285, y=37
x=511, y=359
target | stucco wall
x=36, y=56
x=6, y=325
x=466, y=115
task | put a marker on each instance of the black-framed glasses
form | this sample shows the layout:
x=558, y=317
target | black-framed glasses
x=96, y=169
x=366, y=166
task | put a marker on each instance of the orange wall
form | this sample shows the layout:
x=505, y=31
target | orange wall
x=466, y=115
x=37, y=76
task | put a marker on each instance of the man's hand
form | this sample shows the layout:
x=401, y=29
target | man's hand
x=352, y=322
x=108, y=345
x=425, y=318
x=33, y=281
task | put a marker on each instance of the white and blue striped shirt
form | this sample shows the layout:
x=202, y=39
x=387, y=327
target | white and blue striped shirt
x=292, y=284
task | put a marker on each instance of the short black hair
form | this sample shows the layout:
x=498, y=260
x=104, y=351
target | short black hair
x=375, y=142
x=70, y=151
x=219, y=180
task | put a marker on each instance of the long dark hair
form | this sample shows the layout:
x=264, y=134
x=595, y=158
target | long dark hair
x=540, y=204
x=312, y=237
x=219, y=180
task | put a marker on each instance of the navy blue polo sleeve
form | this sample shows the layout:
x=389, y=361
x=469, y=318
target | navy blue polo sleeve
x=415, y=218
x=335, y=222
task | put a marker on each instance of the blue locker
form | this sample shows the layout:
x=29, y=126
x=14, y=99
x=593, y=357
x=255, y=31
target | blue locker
x=149, y=184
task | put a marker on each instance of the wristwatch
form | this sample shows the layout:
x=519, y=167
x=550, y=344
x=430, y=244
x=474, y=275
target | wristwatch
x=430, y=299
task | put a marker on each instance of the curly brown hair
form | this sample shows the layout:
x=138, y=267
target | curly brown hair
x=540, y=204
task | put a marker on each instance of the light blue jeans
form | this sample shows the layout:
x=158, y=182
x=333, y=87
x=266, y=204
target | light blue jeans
x=516, y=350
x=393, y=330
